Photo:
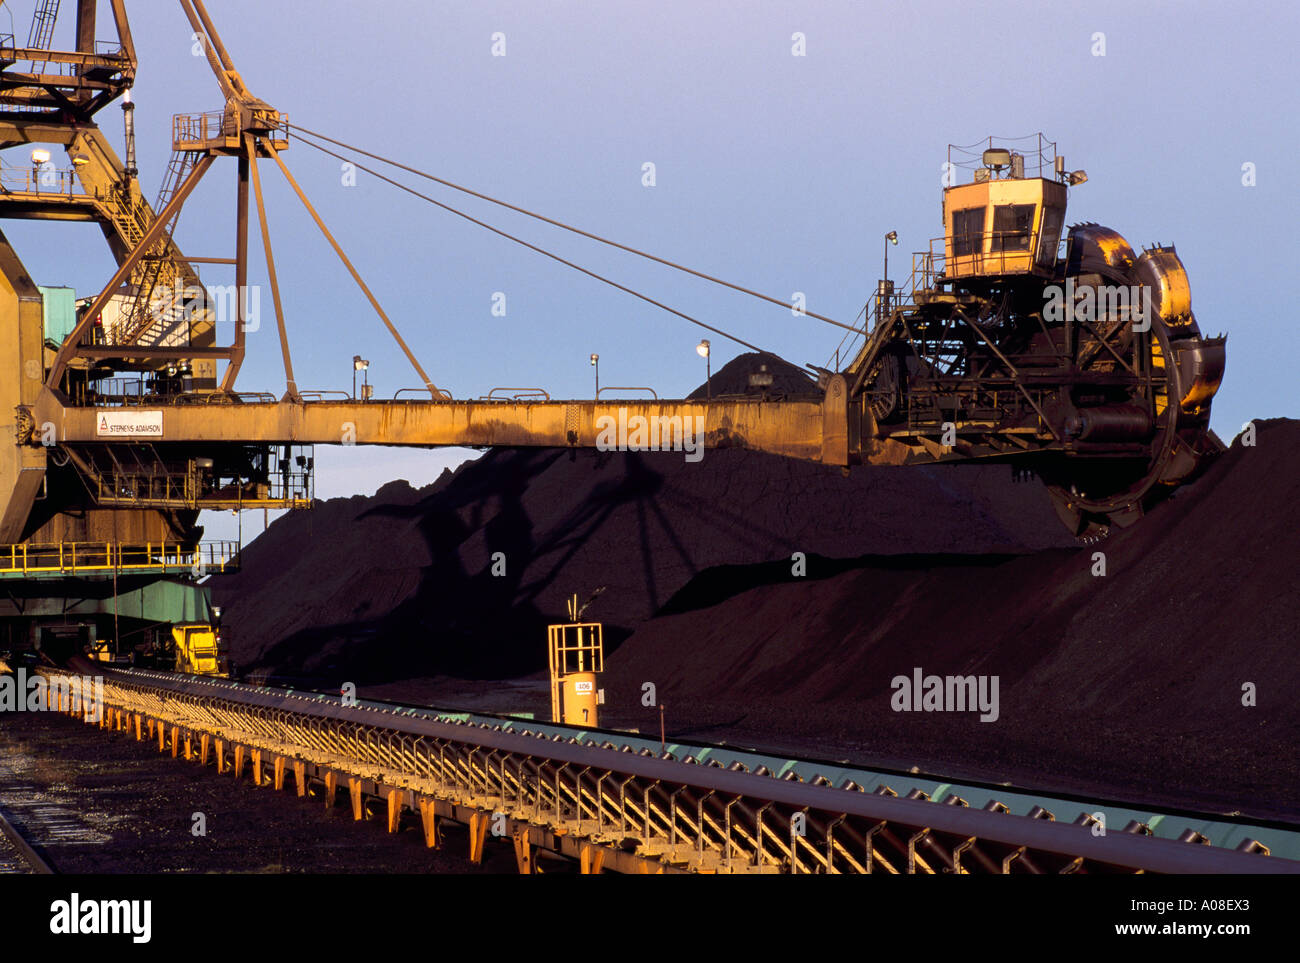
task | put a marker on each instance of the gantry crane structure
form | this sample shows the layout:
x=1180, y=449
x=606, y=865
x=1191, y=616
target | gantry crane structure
x=127, y=426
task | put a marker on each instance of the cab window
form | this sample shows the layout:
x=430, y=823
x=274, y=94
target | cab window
x=1052, y=217
x=1012, y=225
x=968, y=231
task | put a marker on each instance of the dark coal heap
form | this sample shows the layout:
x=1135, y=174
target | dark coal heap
x=1132, y=681
x=1135, y=679
x=401, y=584
x=759, y=373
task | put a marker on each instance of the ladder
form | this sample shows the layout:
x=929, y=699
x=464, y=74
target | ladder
x=42, y=32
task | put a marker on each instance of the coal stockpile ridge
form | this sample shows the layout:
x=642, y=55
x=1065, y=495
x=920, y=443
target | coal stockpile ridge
x=400, y=585
x=1134, y=678
x=733, y=378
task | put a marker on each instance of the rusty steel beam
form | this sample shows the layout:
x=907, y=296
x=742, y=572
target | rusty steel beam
x=290, y=383
x=792, y=428
x=86, y=10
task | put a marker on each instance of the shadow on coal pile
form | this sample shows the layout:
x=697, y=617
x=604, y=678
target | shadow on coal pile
x=471, y=609
x=461, y=577
x=720, y=583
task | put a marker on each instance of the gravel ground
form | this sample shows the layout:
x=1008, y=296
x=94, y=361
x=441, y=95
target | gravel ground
x=11, y=862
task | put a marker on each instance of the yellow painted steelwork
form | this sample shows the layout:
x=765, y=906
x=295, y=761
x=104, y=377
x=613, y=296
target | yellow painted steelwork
x=1199, y=393
x=1158, y=373
x=792, y=428
x=198, y=650
x=580, y=699
x=983, y=245
x=99, y=558
x=602, y=808
x=1115, y=250
x=1162, y=271
x=576, y=653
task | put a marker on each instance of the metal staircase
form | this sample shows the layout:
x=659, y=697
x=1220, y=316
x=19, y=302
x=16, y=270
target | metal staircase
x=155, y=320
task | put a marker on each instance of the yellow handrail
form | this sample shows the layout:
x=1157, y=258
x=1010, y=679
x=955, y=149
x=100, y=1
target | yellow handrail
x=71, y=558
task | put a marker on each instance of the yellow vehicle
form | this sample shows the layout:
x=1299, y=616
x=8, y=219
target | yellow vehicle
x=198, y=650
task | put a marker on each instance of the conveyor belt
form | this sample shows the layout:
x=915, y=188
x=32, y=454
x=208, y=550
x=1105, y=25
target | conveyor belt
x=611, y=800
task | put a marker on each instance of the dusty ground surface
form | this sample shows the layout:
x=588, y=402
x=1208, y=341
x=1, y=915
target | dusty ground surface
x=11, y=861
x=95, y=802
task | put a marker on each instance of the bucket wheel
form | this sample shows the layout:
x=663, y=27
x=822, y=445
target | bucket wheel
x=1182, y=372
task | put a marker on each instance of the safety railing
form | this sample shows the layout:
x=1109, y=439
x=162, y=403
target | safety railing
x=987, y=253
x=653, y=394
x=221, y=127
x=195, y=131
x=930, y=269
x=443, y=393
x=516, y=394
x=97, y=558
x=104, y=50
x=43, y=179
x=131, y=392
x=1037, y=154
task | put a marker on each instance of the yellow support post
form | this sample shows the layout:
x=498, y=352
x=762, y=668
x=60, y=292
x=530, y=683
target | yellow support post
x=331, y=787
x=429, y=820
x=394, y=810
x=354, y=791
x=278, y=773
x=478, y=827
x=523, y=852
x=300, y=776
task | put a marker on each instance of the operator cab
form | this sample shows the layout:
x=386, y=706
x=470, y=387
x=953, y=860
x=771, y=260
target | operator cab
x=1004, y=222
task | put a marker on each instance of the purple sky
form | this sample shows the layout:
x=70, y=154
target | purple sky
x=778, y=172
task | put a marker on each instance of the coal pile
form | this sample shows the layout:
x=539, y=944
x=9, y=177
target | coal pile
x=759, y=373
x=402, y=584
x=1134, y=679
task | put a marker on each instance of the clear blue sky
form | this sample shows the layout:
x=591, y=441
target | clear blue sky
x=778, y=172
